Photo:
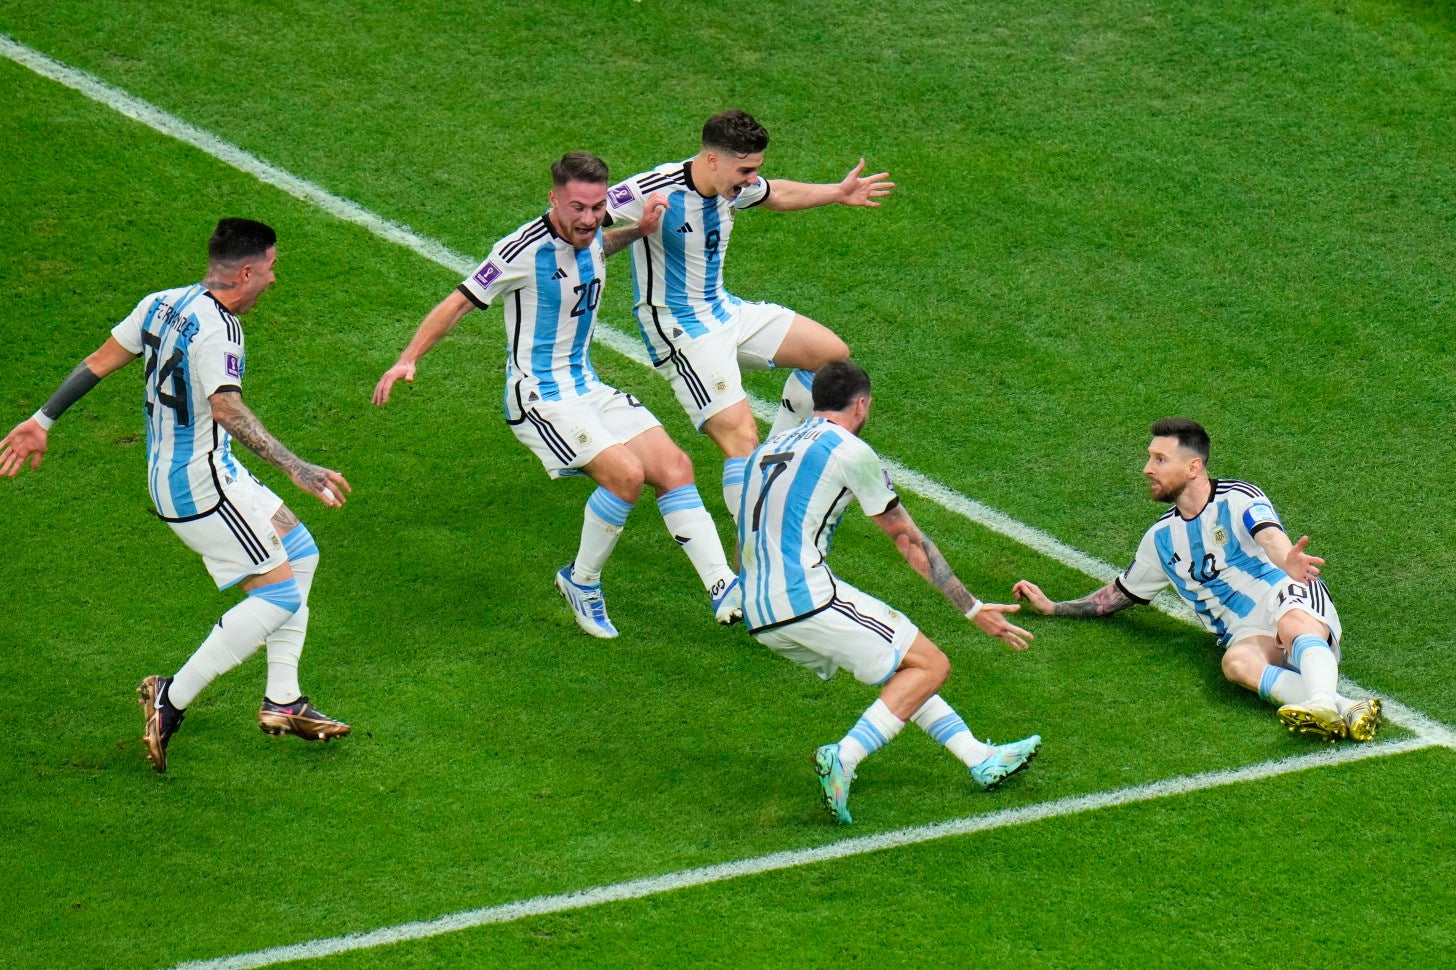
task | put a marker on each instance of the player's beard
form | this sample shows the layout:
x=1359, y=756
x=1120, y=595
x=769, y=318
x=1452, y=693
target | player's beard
x=1169, y=494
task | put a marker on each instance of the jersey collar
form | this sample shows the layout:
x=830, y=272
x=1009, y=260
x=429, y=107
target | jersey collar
x=688, y=178
x=1212, y=491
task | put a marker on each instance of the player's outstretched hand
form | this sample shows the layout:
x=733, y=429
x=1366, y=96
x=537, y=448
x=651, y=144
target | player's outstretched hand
x=652, y=212
x=1025, y=589
x=325, y=484
x=397, y=372
x=992, y=621
x=1300, y=565
x=864, y=189
x=26, y=440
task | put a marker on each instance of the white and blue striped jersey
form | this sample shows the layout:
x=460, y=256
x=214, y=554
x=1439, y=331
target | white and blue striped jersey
x=677, y=272
x=799, y=484
x=551, y=292
x=1214, y=561
x=192, y=347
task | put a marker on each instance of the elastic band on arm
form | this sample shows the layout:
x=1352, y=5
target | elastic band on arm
x=72, y=389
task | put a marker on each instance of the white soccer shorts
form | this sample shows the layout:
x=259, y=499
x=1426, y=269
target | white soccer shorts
x=855, y=632
x=568, y=434
x=236, y=539
x=1284, y=598
x=706, y=373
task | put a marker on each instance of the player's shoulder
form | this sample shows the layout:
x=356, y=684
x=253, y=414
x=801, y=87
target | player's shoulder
x=665, y=178
x=1233, y=488
x=1162, y=521
x=523, y=242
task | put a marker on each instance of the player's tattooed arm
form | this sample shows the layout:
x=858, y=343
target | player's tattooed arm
x=616, y=240
x=924, y=557
x=229, y=411
x=1109, y=599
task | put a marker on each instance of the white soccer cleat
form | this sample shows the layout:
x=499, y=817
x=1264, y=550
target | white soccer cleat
x=587, y=605
x=728, y=605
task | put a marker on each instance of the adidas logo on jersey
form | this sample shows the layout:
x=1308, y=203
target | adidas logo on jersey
x=685, y=228
x=560, y=274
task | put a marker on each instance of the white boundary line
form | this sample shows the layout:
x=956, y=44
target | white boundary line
x=776, y=861
x=1429, y=732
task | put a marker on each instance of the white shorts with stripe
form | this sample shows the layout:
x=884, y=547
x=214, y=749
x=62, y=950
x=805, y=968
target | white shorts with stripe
x=706, y=373
x=856, y=632
x=1284, y=598
x=568, y=434
x=236, y=539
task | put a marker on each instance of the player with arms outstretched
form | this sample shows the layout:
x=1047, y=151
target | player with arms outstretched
x=1224, y=549
x=192, y=342
x=699, y=336
x=549, y=276
x=800, y=483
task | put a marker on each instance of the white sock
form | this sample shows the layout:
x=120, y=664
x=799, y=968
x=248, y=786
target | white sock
x=239, y=632
x=939, y=720
x=874, y=729
x=690, y=524
x=285, y=644
x=601, y=526
x=1280, y=686
x=734, y=470
x=1316, y=663
x=797, y=403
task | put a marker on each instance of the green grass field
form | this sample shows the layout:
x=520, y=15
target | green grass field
x=1107, y=212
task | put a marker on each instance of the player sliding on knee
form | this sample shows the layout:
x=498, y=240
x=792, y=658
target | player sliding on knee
x=1224, y=549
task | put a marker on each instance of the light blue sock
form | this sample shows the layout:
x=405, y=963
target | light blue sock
x=875, y=728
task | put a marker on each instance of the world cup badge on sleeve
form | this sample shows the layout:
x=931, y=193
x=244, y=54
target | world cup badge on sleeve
x=487, y=274
x=619, y=196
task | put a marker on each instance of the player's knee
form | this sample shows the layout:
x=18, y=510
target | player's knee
x=834, y=349
x=674, y=471
x=935, y=664
x=1239, y=665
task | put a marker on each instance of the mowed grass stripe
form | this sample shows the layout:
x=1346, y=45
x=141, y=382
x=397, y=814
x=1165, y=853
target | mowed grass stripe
x=777, y=861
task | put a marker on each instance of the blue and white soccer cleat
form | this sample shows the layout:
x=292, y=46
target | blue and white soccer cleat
x=728, y=605
x=587, y=605
x=834, y=781
x=1005, y=760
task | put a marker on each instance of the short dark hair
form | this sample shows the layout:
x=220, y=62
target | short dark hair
x=734, y=131
x=1190, y=434
x=837, y=384
x=578, y=167
x=238, y=239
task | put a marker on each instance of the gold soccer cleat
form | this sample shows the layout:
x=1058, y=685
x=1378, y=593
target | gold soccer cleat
x=1362, y=718
x=299, y=718
x=1313, y=717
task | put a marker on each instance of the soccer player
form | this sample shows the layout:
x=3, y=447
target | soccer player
x=698, y=334
x=192, y=342
x=550, y=274
x=1224, y=549
x=799, y=484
